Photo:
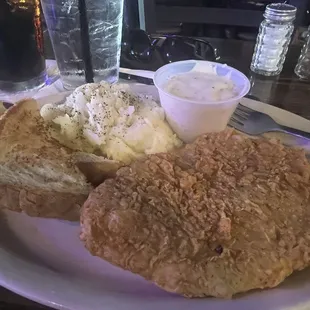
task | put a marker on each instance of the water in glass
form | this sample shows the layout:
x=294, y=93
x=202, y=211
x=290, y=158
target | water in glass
x=105, y=28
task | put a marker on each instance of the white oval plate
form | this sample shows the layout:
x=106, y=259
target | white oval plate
x=44, y=260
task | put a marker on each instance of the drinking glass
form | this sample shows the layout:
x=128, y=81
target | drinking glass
x=22, y=64
x=85, y=39
x=302, y=69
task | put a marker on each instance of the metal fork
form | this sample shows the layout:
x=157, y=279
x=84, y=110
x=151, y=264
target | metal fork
x=257, y=123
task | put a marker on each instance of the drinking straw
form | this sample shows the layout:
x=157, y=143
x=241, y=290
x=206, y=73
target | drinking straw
x=88, y=67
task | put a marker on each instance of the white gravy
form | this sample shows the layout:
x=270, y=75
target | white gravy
x=201, y=86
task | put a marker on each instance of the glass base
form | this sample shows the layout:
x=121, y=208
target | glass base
x=72, y=81
x=264, y=72
x=9, y=87
x=302, y=74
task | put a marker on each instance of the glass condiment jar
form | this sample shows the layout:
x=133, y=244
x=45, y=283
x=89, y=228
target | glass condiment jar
x=302, y=69
x=273, y=39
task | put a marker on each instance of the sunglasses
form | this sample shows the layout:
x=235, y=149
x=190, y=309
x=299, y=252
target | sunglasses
x=141, y=51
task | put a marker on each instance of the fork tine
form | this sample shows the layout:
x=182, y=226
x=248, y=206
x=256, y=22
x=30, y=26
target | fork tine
x=240, y=116
x=235, y=123
x=244, y=109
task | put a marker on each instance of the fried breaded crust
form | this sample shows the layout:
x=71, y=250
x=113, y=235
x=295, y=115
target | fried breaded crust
x=224, y=215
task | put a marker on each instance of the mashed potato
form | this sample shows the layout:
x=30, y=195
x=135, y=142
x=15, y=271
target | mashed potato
x=112, y=121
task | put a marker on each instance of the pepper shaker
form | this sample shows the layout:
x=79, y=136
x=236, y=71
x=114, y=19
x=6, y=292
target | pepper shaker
x=273, y=39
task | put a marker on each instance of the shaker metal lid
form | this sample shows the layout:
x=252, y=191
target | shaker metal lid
x=280, y=11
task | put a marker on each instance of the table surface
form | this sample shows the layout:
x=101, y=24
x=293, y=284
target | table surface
x=285, y=91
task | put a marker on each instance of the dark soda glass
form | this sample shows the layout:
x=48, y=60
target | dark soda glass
x=22, y=64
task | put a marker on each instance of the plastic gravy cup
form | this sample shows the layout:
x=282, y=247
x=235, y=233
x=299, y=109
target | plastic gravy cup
x=190, y=119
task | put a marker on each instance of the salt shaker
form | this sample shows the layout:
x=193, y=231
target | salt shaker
x=273, y=39
x=302, y=69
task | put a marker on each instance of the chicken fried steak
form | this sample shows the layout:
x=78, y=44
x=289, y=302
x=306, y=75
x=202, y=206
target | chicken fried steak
x=224, y=215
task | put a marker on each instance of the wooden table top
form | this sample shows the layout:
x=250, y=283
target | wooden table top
x=285, y=91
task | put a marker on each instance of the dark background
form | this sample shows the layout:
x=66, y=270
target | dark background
x=233, y=19
x=223, y=19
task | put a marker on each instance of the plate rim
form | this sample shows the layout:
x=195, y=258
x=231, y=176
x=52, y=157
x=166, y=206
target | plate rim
x=36, y=298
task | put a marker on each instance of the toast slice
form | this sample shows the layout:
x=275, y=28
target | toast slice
x=96, y=168
x=38, y=175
